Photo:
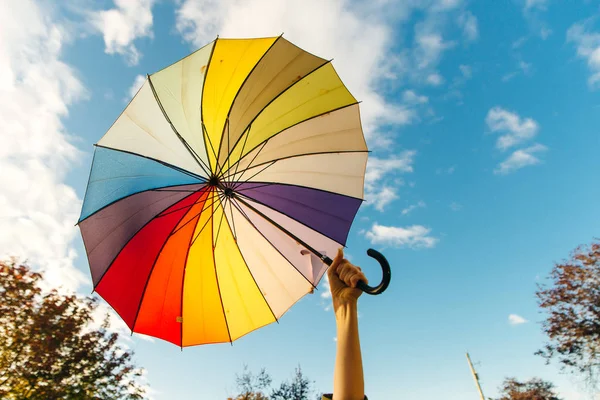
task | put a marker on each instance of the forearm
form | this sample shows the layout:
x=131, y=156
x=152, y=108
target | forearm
x=348, y=374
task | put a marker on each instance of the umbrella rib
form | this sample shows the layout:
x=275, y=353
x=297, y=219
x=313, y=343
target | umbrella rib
x=316, y=153
x=211, y=146
x=246, y=264
x=129, y=240
x=187, y=222
x=232, y=221
x=204, y=133
x=255, y=156
x=183, y=275
x=133, y=194
x=125, y=221
x=87, y=187
x=281, y=228
x=263, y=184
x=262, y=170
x=257, y=186
x=137, y=313
x=204, y=208
x=238, y=92
x=206, y=223
x=238, y=194
x=272, y=245
x=242, y=155
x=300, y=203
x=237, y=164
x=172, y=190
x=217, y=279
x=221, y=201
x=228, y=132
x=275, y=98
x=187, y=146
x=166, y=164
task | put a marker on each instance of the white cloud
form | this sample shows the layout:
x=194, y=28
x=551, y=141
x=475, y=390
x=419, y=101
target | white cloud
x=588, y=48
x=435, y=79
x=514, y=128
x=108, y=95
x=445, y=5
x=523, y=67
x=545, y=32
x=381, y=184
x=515, y=319
x=358, y=39
x=412, y=207
x=507, y=77
x=468, y=22
x=533, y=11
x=122, y=25
x=377, y=168
x=541, y=4
x=454, y=206
x=415, y=236
x=412, y=98
x=326, y=293
x=519, y=159
x=135, y=86
x=380, y=198
x=38, y=210
x=430, y=46
x=519, y=42
x=446, y=171
x=466, y=70
x=325, y=297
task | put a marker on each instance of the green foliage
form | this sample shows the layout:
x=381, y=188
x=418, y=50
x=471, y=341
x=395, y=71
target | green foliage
x=534, y=389
x=49, y=349
x=573, y=306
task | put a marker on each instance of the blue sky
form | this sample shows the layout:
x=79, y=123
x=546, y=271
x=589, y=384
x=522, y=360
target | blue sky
x=483, y=121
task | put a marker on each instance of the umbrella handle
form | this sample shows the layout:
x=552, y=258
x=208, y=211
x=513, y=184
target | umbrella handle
x=385, y=268
x=387, y=274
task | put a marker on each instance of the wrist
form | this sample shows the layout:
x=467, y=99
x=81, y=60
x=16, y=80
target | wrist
x=345, y=309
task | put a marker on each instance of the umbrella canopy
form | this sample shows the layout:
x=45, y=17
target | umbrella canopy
x=207, y=191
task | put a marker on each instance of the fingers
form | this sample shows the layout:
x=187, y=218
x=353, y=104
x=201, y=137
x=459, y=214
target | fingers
x=339, y=257
x=350, y=274
x=343, y=270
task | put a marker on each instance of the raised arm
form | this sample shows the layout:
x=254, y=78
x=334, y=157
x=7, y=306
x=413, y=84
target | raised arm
x=348, y=383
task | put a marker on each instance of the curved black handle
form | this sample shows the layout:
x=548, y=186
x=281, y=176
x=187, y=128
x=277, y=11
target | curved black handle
x=387, y=275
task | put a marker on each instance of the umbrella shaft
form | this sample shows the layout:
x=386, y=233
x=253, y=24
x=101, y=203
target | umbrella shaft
x=308, y=247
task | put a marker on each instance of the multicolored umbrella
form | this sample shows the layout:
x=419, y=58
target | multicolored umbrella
x=217, y=195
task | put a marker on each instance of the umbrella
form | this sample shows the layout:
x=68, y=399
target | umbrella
x=217, y=195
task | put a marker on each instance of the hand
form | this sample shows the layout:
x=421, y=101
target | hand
x=343, y=278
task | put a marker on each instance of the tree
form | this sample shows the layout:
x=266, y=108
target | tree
x=49, y=348
x=252, y=387
x=300, y=388
x=573, y=307
x=534, y=389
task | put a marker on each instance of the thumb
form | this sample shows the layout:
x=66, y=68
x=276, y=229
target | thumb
x=337, y=260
